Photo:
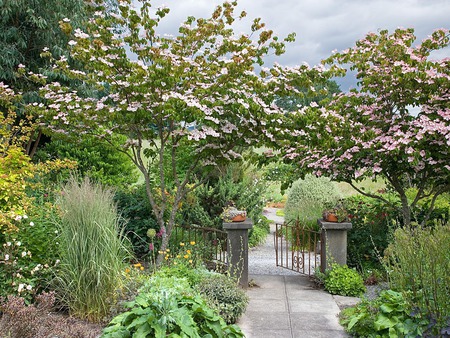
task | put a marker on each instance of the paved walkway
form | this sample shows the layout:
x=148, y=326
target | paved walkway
x=284, y=304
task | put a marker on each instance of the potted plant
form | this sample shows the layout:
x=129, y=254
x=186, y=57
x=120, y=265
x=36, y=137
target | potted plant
x=337, y=214
x=232, y=214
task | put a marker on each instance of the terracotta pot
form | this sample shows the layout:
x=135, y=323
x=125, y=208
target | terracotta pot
x=239, y=218
x=331, y=218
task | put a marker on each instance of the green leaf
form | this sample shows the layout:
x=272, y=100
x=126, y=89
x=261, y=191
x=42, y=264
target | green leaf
x=384, y=322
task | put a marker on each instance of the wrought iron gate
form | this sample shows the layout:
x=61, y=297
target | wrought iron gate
x=297, y=248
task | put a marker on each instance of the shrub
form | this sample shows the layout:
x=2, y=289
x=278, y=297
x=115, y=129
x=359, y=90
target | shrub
x=137, y=216
x=387, y=316
x=223, y=294
x=308, y=197
x=341, y=280
x=101, y=162
x=207, y=202
x=418, y=261
x=169, y=307
x=372, y=223
x=92, y=250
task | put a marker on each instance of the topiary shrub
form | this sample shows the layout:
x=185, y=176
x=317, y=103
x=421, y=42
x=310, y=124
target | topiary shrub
x=308, y=197
x=222, y=293
x=341, y=280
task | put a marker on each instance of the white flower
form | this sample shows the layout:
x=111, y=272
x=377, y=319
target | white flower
x=21, y=286
x=25, y=216
x=6, y=257
x=31, y=224
x=8, y=243
x=56, y=231
x=19, y=243
x=72, y=43
x=29, y=287
x=24, y=253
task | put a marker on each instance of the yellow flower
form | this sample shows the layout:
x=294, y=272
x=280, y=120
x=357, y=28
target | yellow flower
x=142, y=268
x=188, y=251
x=166, y=258
x=190, y=261
x=127, y=270
x=175, y=263
x=192, y=243
x=167, y=250
x=181, y=244
x=186, y=256
x=178, y=256
x=137, y=265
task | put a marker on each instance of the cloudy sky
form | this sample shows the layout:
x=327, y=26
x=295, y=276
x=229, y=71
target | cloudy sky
x=323, y=25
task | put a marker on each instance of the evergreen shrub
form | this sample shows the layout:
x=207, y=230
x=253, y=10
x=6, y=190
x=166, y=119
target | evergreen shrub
x=308, y=197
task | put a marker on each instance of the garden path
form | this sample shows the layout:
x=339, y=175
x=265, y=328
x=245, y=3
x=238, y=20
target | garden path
x=285, y=304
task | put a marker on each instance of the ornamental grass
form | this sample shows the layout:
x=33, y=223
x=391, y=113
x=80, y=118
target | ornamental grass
x=92, y=250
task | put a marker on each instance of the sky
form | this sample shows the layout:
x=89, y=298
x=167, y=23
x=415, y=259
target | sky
x=322, y=26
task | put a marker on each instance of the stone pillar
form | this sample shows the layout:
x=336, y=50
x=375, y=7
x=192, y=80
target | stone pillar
x=334, y=243
x=237, y=249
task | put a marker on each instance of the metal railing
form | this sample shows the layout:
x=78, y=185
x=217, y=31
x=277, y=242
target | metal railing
x=210, y=244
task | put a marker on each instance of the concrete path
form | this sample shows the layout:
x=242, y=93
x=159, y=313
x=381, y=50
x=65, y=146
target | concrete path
x=289, y=307
x=285, y=304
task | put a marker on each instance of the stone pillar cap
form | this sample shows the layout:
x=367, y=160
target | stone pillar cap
x=247, y=224
x=334, y=226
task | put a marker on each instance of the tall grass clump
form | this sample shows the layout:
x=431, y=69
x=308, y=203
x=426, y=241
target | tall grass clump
x=418, y=264
x=92, y=250
x=308, y=197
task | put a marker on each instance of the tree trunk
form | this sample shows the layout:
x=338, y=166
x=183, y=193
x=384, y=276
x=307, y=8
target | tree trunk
x=406, y=211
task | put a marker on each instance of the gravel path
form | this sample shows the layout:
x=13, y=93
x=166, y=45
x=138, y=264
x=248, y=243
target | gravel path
x=261, y=259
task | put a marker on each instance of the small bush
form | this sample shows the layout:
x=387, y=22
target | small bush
x=341, y=280
x=223, y=294
x=169, y=307
x=308, y=197
x=389, y=315
x=418, y=261
x=259, y=232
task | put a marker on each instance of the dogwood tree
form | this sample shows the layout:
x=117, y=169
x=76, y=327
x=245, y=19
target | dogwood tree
x=394, y=125
x=195, y=94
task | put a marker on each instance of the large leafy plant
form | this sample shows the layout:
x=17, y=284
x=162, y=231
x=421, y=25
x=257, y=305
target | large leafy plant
x=167, y=306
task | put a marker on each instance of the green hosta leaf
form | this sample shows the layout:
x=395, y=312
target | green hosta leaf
x=143, y=331
x=386, y=308
x=160, y=330
x=188, y=326
x=384, y=322
x=117, y=332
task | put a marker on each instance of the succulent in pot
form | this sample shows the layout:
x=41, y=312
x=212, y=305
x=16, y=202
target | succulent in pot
x=232, y=214
x=337, y=214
